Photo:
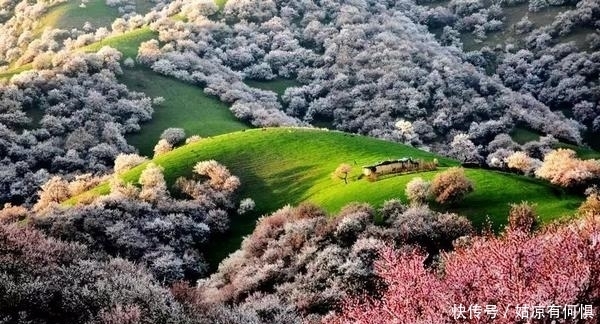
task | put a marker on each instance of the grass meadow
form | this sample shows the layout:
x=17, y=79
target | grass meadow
x=279, y=166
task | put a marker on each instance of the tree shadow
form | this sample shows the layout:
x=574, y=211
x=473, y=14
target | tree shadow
x=293, y=183
x=286, y=187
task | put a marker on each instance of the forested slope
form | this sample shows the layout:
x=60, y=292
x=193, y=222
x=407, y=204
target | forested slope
x=262, y=217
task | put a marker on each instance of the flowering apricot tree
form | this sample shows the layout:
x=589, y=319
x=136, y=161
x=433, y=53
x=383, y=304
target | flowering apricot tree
x=520, y=274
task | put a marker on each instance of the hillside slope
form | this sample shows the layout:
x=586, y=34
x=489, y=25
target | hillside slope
x=72, y=14
x=281, y=166
x=186, y=106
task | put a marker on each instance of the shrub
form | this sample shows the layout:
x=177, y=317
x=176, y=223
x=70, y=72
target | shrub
x=162, y=147
x=124, y=162
x=84, y=182
x=391, y=208
x=591, y=205
x=418, y=190
x=193, y=139
x=419, y=225
x=120, y=189
x=521, y=161
x=219, y=176
x=246, y=205
x=154, y=186
x=158, y=101
x=10, y=213
x=463, y=149
x=522, y=218
x=451, y=186
x=173, y=136
x=52, y=192
x=406, y=130
x=563, y=168
x=129, y=63
x=342, y=172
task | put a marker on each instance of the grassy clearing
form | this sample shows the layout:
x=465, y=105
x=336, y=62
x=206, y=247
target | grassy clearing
x=523, y=135
x=70, y=15
x=582, y=152
x=221, y=3
x=279, y=166
x=494, y=192
x=10, y=72
x=278, y=85
x=143, y=6
x=127, y=43
x=186, y=106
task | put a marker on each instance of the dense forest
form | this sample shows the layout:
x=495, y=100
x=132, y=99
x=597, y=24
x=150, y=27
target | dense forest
x=489, y=110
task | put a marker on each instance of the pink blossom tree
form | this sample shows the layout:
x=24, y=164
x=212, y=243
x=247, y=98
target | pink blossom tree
x=514, y=272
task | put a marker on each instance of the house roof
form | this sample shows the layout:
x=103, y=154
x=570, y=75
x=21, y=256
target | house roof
x=401, y=160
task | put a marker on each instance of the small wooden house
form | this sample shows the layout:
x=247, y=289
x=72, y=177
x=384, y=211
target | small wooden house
x=405, y=164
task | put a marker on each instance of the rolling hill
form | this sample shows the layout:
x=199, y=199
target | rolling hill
x=72, y=14
x=279, y=166
x=127, y=43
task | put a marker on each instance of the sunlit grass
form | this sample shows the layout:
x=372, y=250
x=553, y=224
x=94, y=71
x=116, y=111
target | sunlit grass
x=10, y=72
x=221, y=3
x=70, y=15
x=127, y=43
x=279, y=166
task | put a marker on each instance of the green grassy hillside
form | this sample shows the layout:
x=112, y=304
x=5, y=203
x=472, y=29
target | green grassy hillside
x=10, y=72
x=221, y=3
x=71, y=15
x=127, y=43
x=523, y=135
x=278, y=166
x=186, y=106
